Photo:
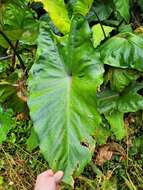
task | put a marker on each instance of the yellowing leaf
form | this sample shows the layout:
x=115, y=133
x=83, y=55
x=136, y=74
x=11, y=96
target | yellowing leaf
x=58, y=13
x=98, y=34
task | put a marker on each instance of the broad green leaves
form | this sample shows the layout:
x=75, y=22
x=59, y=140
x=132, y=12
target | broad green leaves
x=62, y=102
x=68, y=114
x=63, y=84
x=122, y=7
x=113, y=105
x=17, y=23
x=123, y=51
x=5, y=123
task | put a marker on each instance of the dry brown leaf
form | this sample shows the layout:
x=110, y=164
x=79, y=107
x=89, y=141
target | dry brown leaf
x=103, y=155
x=106, y=152
x=21, y=116
x=139, y=30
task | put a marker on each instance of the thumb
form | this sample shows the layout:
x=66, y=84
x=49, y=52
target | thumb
x=58, y=176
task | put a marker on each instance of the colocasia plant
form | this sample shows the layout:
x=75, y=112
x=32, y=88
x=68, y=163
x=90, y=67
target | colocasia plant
x=85, y=76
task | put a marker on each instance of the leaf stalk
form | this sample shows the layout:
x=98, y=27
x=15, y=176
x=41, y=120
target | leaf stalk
x=14, y=50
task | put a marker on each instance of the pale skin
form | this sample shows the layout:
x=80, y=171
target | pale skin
x=49, y=180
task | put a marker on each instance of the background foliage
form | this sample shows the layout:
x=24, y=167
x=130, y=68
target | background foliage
x=71, y=84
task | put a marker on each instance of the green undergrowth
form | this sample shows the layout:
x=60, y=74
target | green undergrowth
x=19, y=167
x=71, y=93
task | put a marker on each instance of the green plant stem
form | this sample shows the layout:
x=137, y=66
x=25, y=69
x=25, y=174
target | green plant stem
x=15, y=52
x=14, y=55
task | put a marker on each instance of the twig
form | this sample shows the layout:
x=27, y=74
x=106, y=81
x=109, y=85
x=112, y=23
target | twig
x=5, y=57
x=13, y=48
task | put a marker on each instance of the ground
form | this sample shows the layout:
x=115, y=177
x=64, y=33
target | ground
x=116, y=165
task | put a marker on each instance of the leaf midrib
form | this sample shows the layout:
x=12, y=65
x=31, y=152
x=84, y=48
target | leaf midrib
x=69, y=82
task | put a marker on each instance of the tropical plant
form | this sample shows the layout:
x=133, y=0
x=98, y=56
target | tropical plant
x=86, y=75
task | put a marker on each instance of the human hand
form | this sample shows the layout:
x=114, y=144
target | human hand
x=48, y=180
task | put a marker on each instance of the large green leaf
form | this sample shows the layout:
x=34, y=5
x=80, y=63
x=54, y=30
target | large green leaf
x=5, y=123
x=129, y=100
x=123, y=51
x=58, y=13
x=122, y=7
x=63, y=84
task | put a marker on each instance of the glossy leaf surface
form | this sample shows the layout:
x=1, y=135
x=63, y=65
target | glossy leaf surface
x=123, y=51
